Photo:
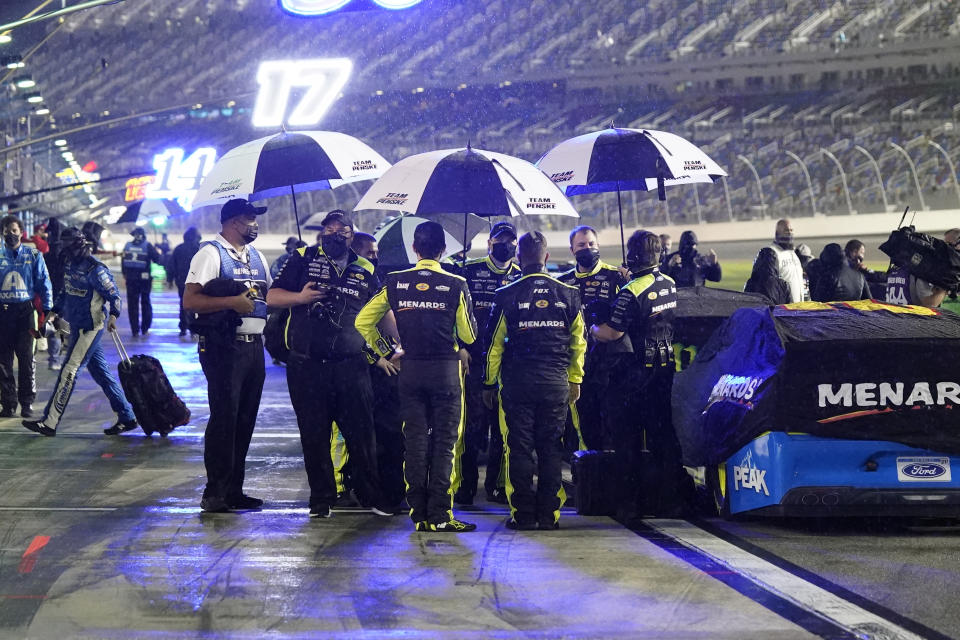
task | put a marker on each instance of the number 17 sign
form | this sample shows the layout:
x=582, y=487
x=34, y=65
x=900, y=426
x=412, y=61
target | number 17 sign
x=320, y=82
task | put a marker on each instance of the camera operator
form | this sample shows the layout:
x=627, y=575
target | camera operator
x=327, y=373
x=856, y=253
x=645, y=310
x=688, y=267
x=905, y=288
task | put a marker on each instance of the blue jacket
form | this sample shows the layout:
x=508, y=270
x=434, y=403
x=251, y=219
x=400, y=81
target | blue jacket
x=23, y=274
x=88, y=287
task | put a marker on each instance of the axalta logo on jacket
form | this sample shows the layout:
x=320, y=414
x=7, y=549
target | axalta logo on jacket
x=23, y=273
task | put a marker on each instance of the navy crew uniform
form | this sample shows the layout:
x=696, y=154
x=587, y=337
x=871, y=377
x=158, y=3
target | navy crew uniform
x=605, y=361
x=234, y=371
x=645, y=310
x=536, y=350
x=23, y=274
x=88, y=288
x=328, y=373
x=483, y=279
x=138, y=254
x=434, y=318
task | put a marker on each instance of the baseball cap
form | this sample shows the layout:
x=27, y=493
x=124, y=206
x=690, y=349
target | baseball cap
x=137, y=231
x=337, y=215
x=291, y=240
x=239, y=207
x=501, y=228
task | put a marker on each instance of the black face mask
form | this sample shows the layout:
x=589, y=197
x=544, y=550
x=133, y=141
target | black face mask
x=11, y=239
x=374, y=262
x=785, y=241
x=587, y=258
x=77, y=251
x=334, y=245
x=502, y=251
x=250, y=232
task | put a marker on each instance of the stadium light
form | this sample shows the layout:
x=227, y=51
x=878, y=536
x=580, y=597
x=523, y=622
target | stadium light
x=42, y=111
x=5, y=38
x=24, y=82
x=33, y=98
x=308, y=8
x=60, y=142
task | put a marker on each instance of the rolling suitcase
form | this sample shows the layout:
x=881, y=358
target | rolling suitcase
x=594, y=480
x=156, y=405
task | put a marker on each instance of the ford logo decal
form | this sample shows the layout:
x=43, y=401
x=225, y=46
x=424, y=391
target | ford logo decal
x=924, y=470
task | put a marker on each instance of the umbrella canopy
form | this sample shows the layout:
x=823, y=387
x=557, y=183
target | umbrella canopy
x=289, y=163
x=144, y=209
x=626, y=160
x=395, y=241
x=463, y=181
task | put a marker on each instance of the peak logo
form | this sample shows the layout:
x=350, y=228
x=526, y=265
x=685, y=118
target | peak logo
x=750, y=478
x=308, y=8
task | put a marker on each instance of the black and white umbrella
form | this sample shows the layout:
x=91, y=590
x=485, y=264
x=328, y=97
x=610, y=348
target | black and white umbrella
x=465, y=181
x=627, y=160
x=150, y=209
x=289, y=163
x=395, y=241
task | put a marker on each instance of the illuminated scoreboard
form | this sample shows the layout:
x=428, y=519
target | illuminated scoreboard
x=309, y=8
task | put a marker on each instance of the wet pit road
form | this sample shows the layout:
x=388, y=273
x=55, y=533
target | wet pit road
x=102, y=537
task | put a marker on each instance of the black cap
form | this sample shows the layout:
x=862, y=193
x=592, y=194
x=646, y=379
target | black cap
x=501, y=228
x=138, y=231
x=337, y=215
x=291, y=240
x=239, y=207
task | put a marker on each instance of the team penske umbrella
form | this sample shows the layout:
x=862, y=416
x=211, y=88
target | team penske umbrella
x=289, y=163
x=627, y=160
x=464, y=181
x=395, y=241
x=149, y=209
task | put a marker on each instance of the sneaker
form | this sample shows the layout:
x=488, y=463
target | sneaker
x=26, y=411
x=144, y=332
x=244, y=502
x=383, y=511
x=498, y=496
x=346, y=500
x=453, y=526
x=213, y=504
x=54, y=366
x=38, y=427
x=6, y=412
x=120, y=427
x=548, y=526
x=463, y=498
x=510, y=523
x=319, y=511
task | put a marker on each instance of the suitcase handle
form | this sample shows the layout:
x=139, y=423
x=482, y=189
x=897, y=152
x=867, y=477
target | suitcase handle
x=120, y=348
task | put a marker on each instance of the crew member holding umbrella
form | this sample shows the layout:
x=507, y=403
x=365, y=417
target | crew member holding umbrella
x=138, y=255
x=484, y=276
x=599, y=284
x=325, y=287
x=434, y=320
x=644, y=311
x=235, y=374
x=536, y=355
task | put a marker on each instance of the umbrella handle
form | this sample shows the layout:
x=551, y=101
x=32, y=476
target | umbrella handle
x=296, y=216
x=623, y=244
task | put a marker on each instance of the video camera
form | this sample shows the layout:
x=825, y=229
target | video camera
x=924, y=256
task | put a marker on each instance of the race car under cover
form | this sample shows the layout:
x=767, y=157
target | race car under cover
x=844, y=408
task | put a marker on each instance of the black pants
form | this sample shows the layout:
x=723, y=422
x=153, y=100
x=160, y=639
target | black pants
x=235, y=373
x=323, y=392
x=16, y=321
x=532, y=421
x=482, y=429
x=184, y=323
x=431, y=404
x=594, y=410
x=138, y=296
x=388, y=426
x=651, y=479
